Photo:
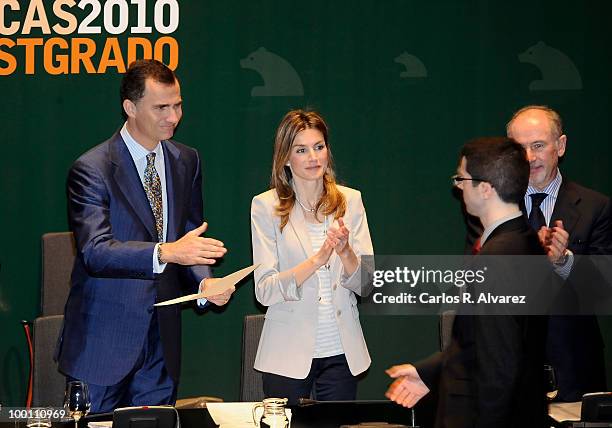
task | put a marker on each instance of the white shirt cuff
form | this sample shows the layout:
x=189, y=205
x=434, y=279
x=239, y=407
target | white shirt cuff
x=157, y=268
x=201, y=302
x=566, y=268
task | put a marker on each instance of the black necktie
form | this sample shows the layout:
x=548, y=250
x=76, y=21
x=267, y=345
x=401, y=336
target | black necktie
x=536, y=217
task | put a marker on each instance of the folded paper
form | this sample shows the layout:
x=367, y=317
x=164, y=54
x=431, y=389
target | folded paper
x=220, y=285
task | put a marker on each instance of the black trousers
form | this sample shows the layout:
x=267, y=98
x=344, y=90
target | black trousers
x=329, y=379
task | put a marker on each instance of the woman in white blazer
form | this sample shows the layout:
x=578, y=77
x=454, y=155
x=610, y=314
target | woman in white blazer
x=308, y=235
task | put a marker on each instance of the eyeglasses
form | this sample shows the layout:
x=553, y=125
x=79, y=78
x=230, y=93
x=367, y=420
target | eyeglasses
x=456, y=180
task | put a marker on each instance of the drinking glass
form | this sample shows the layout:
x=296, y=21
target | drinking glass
x=551, y=382
x=77, y=402
x=39, y=417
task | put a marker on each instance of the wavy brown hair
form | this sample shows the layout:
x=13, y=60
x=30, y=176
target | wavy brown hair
x=332, y=200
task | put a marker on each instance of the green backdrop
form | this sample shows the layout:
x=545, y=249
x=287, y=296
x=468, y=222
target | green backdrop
x=396, y=127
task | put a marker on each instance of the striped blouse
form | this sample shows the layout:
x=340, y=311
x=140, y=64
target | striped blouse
x=328, y=341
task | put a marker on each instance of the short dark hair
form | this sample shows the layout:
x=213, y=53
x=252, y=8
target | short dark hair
x=500, y=161
x=133, y=82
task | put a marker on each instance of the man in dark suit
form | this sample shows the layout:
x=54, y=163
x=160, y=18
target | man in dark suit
x=491, y=374
x=575, y=220
x=571, y=220
x=135, y=207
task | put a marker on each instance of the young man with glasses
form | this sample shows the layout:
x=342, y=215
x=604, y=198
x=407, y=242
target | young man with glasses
x=491, y=374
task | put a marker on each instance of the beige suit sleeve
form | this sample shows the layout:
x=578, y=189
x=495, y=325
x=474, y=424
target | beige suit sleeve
x=362, y=245
x=271, y=286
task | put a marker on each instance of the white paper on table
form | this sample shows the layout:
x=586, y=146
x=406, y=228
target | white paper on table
x=100, y=424
x=215, y=288
x=235, y=415
x=232, y=414
x=565, y=411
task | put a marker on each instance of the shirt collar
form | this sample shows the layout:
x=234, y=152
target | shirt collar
x=137, y=151
x=551, y=189
x=487, y=232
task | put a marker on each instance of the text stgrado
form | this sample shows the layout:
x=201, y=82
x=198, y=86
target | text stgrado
x=63, y=36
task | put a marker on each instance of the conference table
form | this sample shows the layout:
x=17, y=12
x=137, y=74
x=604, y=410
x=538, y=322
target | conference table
x=320, y=415
x=376, y=413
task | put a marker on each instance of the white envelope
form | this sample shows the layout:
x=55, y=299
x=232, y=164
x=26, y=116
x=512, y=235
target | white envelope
x=218, y=287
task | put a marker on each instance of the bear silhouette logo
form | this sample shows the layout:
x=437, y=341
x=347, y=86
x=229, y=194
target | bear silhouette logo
x=558, y=71
x=280, y=78
x=414, y=67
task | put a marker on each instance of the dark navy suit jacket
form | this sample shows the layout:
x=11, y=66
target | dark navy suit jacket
x=575, y=345
x=491, y=374
x=109, y=309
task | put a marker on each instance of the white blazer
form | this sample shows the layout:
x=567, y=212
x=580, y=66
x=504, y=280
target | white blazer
x=287, y=341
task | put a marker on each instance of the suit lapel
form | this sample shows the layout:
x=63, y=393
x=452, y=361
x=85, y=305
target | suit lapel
x=128, y=181
x=175, y=182
x=565, y=207
x=334, y=259
x=297, y=222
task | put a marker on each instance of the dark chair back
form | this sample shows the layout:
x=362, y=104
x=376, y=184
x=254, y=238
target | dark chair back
x=446, y=328
x=48, y=383
x=58, y=253
x=251, y=385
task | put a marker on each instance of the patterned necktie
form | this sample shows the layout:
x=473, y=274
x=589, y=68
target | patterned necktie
x=152, y=186
x=536, y=217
